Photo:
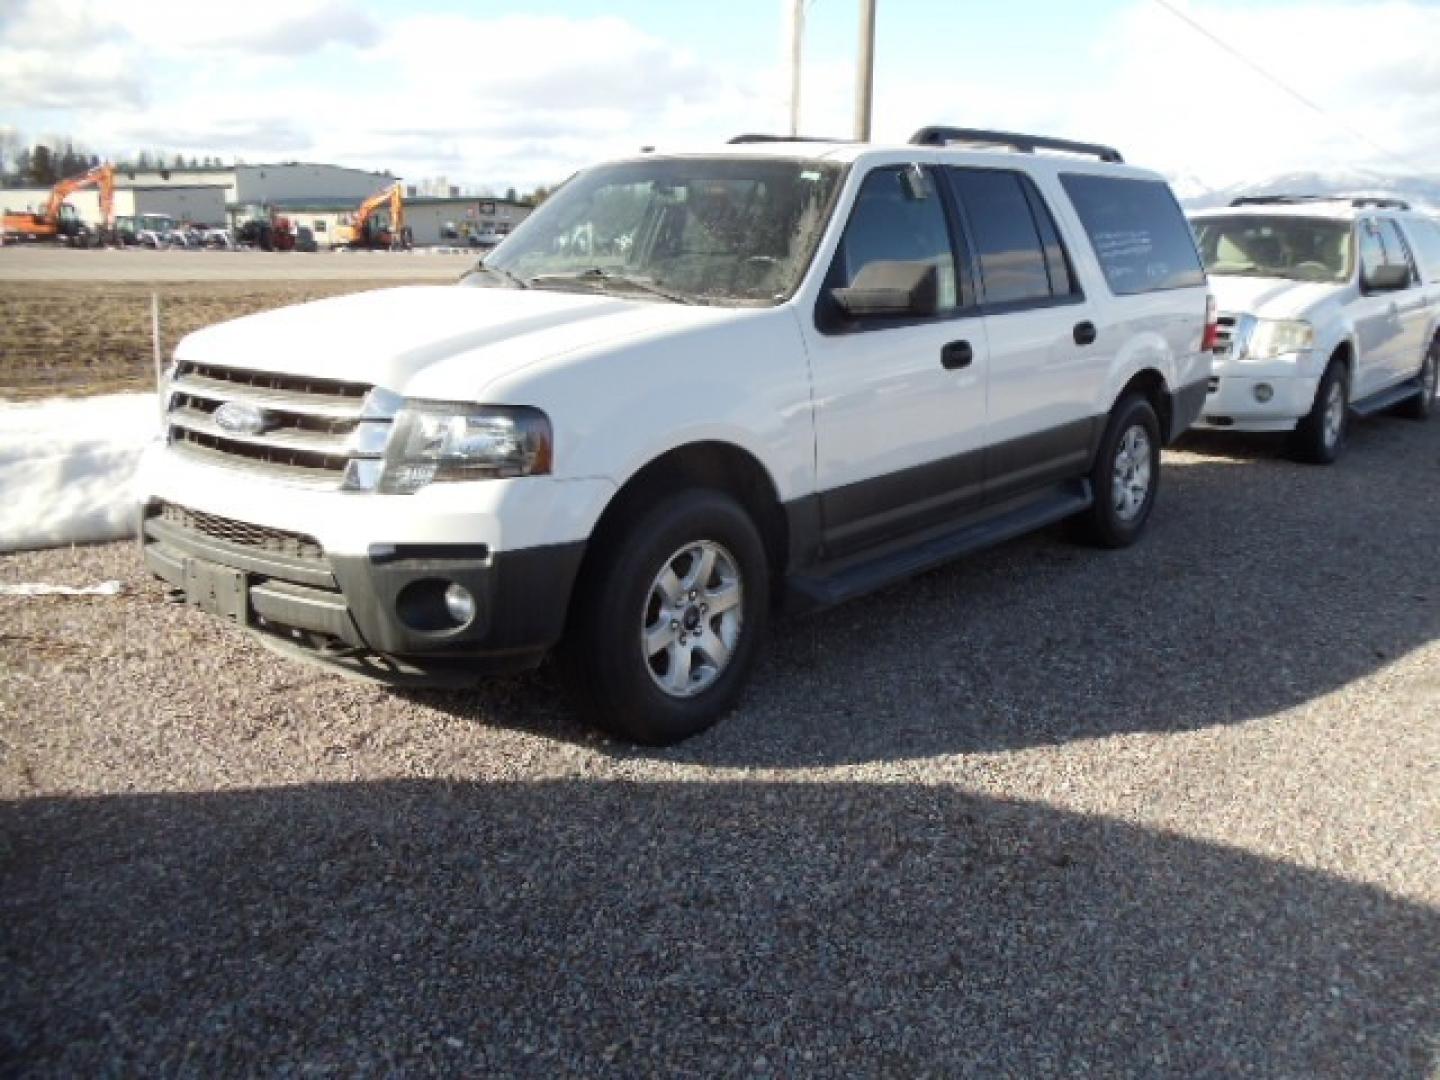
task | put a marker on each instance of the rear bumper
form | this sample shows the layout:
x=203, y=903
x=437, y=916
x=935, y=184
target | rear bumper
x=380, y=614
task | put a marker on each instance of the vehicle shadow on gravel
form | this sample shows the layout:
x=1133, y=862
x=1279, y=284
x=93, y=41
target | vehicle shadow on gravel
x=622, y=928
x=1261, y=586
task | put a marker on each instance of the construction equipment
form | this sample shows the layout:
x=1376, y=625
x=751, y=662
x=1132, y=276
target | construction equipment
x=59, y=221
x=272, y=232
x=369, y=228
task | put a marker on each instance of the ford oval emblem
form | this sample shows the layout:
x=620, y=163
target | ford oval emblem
x=241, y=418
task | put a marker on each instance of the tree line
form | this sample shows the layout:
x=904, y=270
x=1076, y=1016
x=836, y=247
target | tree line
x=44, y=164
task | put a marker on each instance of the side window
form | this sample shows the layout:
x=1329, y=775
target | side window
x=1018, y=261
x=1138, y=232
x=1372, y=251
x=1425, y=240
x=1397, y=252
x=896, y=219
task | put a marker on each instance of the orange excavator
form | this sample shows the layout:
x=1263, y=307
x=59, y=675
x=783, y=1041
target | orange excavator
x=59, y=221
x=369, y=229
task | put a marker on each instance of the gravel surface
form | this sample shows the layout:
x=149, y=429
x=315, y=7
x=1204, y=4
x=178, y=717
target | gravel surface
x=1167, y=811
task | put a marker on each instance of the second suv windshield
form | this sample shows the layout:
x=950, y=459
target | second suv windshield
x=1299, y=248
x=707, y=230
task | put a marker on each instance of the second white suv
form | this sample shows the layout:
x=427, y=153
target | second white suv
x=1328, y=307
x=686, y=389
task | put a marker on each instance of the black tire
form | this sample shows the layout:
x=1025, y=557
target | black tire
x=1314, y=441
x=1422, y=404
x=613, y=679
x=1109, y=523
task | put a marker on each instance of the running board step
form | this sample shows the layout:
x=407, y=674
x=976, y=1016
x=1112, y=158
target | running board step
x=1386, y=399
x=826, y=587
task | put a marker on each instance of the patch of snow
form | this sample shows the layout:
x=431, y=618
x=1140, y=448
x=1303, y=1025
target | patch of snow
x=67, y=468
x=41, y=588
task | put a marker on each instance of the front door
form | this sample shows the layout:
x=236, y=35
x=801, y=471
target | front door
x=899, y=401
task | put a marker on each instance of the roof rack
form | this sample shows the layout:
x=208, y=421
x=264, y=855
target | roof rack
x=1383, y=201
x=1027, y=144
x=754, y=137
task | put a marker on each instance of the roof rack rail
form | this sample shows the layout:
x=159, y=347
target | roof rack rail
x=1028, y=144
x=1383, y=201
x=756, y=137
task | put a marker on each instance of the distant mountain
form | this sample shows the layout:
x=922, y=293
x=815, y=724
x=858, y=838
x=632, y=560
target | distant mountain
x=1421, y=191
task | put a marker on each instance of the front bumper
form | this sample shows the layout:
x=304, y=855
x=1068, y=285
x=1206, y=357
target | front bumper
x=1232, y=403
x=374, y=614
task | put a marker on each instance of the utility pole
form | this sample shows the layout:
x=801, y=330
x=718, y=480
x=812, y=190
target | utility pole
x=797, y=39
x=865, y=76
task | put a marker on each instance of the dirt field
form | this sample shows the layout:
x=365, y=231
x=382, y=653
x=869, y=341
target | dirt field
x=79, y=321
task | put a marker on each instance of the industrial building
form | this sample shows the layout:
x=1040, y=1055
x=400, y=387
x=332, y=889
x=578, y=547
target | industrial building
x=200, y=204
x=314, y=196
x=263, y=185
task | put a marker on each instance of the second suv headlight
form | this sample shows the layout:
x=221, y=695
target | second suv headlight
x=1276, y=337
x=435, y=440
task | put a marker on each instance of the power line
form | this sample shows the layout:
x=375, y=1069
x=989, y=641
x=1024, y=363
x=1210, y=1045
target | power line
x=1275, y=81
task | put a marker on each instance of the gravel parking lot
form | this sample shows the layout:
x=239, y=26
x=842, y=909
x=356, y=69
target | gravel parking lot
x=1167, y=811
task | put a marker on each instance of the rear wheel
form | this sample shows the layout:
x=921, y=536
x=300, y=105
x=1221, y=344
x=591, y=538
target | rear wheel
x=667, y=625
x=1125, y=477
x=1319, y=438
x=1422, y=404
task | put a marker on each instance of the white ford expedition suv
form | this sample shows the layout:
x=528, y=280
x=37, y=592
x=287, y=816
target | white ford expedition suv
x=1328, y=306
x=687, y=390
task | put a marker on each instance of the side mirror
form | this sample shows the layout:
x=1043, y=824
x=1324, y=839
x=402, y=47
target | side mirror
x=891, y=288
x=1386, y=278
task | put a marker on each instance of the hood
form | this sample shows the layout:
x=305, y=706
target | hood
x=1269, y=297
x=389, y=336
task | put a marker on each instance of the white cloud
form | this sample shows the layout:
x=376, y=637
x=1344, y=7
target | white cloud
x=521, y=99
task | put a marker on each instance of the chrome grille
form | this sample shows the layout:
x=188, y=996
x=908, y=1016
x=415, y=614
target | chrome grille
x=1225, y=333
x=241, y=533
x=310, y=431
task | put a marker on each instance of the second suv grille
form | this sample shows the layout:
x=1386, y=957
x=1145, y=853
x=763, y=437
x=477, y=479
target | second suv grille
x=303, y=429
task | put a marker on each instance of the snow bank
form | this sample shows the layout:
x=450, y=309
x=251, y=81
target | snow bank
x=67, y=468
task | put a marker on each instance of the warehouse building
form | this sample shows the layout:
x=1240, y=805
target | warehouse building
x=198, y=204
x=263, y=185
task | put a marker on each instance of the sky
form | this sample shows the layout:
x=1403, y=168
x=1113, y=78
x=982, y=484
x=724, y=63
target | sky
x=493, y=94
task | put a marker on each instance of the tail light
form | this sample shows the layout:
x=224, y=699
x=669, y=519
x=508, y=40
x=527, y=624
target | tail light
x=1211, y=337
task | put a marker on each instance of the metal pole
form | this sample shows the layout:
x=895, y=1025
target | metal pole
x=158, y=353
x=797, y=39
x=865, y=76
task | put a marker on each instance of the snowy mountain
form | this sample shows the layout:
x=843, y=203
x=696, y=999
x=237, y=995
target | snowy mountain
x=1421, y=191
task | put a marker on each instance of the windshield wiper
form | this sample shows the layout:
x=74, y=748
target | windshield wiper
x=599, y=276
x=514, y=279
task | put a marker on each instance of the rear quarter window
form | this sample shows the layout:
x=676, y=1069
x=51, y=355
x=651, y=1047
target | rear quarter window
x=1138, y=232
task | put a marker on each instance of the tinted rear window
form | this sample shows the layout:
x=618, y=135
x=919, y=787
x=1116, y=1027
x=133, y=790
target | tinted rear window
x=1019, y=250
x=1139, y=234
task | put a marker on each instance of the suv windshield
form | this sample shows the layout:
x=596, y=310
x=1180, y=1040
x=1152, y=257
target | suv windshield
x=693, y=230
x=1299, y=248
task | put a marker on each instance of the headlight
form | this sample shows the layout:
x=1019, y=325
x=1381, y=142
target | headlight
x=435, y=441
x=1276, y=337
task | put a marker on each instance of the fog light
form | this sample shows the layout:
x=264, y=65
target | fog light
x=1264, y=392
x=459, y=603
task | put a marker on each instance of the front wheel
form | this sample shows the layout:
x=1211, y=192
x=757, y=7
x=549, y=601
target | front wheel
x=668, y=619
x=1422, y=404
x=1319, y=438
x=1125, y=477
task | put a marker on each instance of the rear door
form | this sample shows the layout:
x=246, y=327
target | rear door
x=899, y=401
x=1047, y=355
